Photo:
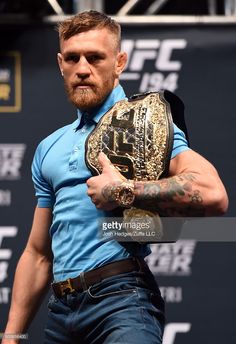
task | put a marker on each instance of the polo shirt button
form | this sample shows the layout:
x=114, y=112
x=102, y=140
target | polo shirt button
x=83, y=130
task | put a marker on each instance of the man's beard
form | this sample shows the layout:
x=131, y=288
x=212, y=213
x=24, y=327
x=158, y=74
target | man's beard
x=90, y=98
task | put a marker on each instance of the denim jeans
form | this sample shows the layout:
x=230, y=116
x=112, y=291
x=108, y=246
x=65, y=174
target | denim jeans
x=123, y=309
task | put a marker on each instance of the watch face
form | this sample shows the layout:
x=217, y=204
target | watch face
x=126, y=196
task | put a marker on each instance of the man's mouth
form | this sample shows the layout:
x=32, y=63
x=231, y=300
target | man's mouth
x=82, y=86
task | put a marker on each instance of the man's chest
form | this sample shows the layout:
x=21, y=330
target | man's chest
x=64, y=164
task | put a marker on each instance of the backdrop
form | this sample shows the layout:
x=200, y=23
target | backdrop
x=197, y=278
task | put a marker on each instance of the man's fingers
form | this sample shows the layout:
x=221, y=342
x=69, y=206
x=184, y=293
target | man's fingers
x=91, y=181
x=104, y=161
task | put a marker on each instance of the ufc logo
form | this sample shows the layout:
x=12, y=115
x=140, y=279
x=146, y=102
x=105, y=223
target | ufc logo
x=172, y=329
x=118, y=143
x=5, y=254
x=160, y=52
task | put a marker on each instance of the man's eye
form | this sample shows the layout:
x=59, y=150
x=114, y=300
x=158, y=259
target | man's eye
x=72, y=58
x=94, y=58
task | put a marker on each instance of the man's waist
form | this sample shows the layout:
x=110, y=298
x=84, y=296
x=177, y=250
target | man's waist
x=70, y=262
x=88, y=278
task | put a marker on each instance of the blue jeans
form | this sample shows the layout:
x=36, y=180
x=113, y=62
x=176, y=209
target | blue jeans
x=123, y=309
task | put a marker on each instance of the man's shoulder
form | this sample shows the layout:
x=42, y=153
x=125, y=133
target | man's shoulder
x=49, y=140
x=57, y=133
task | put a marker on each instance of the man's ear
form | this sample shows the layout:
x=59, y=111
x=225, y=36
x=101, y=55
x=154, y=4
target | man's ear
x=59, y=60
x=121, y=62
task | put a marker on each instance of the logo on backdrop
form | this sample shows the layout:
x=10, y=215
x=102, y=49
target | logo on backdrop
x=172, y=294
x=172, y=330
x=5, y=198
x=11, y=157
x=10, y=81
x=172, y=259
x=5, y=256
x=153, y=64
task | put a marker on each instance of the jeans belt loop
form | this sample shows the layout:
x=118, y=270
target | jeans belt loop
x=83, y=281
x=139, y=264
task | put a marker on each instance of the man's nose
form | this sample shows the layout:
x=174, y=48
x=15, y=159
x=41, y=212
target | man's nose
x=83, y=68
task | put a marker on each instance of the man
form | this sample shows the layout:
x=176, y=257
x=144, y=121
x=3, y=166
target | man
x=103, y=292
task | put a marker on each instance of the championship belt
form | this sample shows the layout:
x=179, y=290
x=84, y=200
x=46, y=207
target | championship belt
x=137, y=136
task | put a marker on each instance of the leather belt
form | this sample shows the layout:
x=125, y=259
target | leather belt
x=88, y=278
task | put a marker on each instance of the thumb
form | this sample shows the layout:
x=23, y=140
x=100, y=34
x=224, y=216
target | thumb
x=104, y=161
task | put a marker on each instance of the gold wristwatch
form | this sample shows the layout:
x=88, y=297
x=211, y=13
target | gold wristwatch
x=124, y=194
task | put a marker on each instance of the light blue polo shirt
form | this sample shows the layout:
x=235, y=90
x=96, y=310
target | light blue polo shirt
x=59, y=174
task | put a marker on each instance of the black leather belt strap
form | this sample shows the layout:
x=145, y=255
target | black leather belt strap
x=88, y=278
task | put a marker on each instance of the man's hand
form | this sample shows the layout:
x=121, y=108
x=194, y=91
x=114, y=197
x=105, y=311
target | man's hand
x=99, y=187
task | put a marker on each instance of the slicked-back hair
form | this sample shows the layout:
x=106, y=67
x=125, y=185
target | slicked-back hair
x=85, y=21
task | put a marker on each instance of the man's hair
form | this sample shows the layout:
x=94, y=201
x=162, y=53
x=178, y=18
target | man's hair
x=86, y=21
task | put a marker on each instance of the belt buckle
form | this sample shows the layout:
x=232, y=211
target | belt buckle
x=66, y=287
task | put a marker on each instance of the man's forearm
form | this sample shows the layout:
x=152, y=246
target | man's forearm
x=32, y=279
x=186, y=194
x=193, y=188
x=174, y=196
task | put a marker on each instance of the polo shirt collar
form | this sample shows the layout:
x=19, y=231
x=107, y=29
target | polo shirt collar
x=116, y=95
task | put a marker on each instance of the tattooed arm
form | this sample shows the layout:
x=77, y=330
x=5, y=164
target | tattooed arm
x=174, y=196
x=192, y=189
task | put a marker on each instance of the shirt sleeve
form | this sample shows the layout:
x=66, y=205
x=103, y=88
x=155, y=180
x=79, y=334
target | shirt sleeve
x=180, y=143
x=43, y=190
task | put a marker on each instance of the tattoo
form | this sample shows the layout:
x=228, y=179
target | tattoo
x=107, y=191
x=196, y=197
x=174, y=196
